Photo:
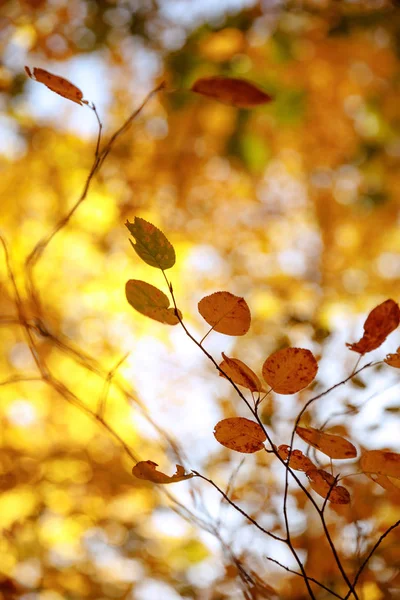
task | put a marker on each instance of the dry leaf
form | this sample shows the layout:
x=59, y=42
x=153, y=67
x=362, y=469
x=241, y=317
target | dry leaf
x=298, y=461
x=290, y=370
x=151, y=244
x=240, y=373
x=146, y=470
x=226, y=313
x=232, y=91
x=389, y=484
x=381, y=462
x=330, y=444
x=240, y=434
x=381, y=321
x=57, y=84
x=150, y=301
x=393, y=359
x=322, y=482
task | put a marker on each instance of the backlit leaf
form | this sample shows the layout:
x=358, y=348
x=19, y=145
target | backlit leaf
x=330, y=444
x=321, y=482
x=290, y=370
x=146, y=470
x=381, y=462
x=393, y=359
x=226, y=313
x=389, y=484
x=150, y=301
x=381, y=321
x=240, y=373
x=151, y=244
x=298, y=461
x=57, y=84
x=232, y=91
x=240, y=434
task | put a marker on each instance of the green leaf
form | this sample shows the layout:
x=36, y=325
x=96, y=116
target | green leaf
x=150, y=301
x=151, y=244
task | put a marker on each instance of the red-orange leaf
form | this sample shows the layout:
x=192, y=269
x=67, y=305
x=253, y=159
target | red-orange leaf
x=232, y=91
x=146, y=469
x=240, y=373
x=57, y=84
x=332, y=445
x=290, y=370
x=240, y=434
x=226, y=313
x=298, y=461
x=381, y=321
x=323, y=483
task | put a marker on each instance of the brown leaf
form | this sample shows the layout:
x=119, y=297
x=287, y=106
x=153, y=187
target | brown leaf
x=332, y=445
x=290, y=370
x=298, y=461
x=240, y=373
x=226, y=313
x=146, y=469
x=393, y=359
x=57, y=84
x=232, y=91
x=381, y=321
x=380, y=462
x=240, y=434
x=322, y=482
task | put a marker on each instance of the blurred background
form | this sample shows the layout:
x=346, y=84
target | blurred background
x=293, y=205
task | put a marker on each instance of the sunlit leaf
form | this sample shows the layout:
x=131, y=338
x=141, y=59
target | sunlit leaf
x=298, y=461
x=393, y=359
x=240, y=373
x=389, y=484
x=232, y=91
x=151, y=244
x=290, y=370
x=57, y=84
x=381, y=462
x=146, y=470
x=150, y=301
x=330, y=444
x=381, y=321
x=240, y=434
x=226, y=313
x=321, y=482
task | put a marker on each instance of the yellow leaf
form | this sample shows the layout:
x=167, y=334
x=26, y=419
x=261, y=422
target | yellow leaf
x=232, y=91
x=332, y=445
x=146, y=470
x=322, y=482
x=240, y=434
x=381, y=321
x=151, y=244
x=381, y=462
x=290, y=370
x=393, y=359
x=150, y=301
x=298, y=461
x=240, y=373
x=226, y=313
x=57, y=84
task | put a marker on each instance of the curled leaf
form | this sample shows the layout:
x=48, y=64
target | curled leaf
x=57, y=84
x=323, y=483
x=240, y=434
x=151, y=244
x=381, y=321
x=226, y=313
x=240, y=373
x=393, y=359
x=146, y=469
x=150, y=301
x=381, y=462
x=298, y=461
x=290, y=370
x=232, y=91
x=330, y=444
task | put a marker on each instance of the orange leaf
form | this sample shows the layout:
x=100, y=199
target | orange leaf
x=298, y=461
x=57, y=84
x=332, y=445
x=226, y=313
x=381, y=321
x=385, y=482
x=146, y=469
x=322, y=482
x=240, y=373
x=240, y=434
x=290, y=370
x=232, y=91
x=393, y=359
x=381, y=463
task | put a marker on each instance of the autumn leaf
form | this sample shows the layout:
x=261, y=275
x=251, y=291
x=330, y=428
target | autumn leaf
x=298, y=461
x=380, y=462
x=290, y=370
x=150, y=301
x=389, y=484
x=381, y=321
x=57, y=84
x=393, y=359
x=330, y=444
x=226, y=313
x=321, y=482
x=240, y=373
x=146, y=470
x=240, y=434
x=151, y=244
x=232, y=91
